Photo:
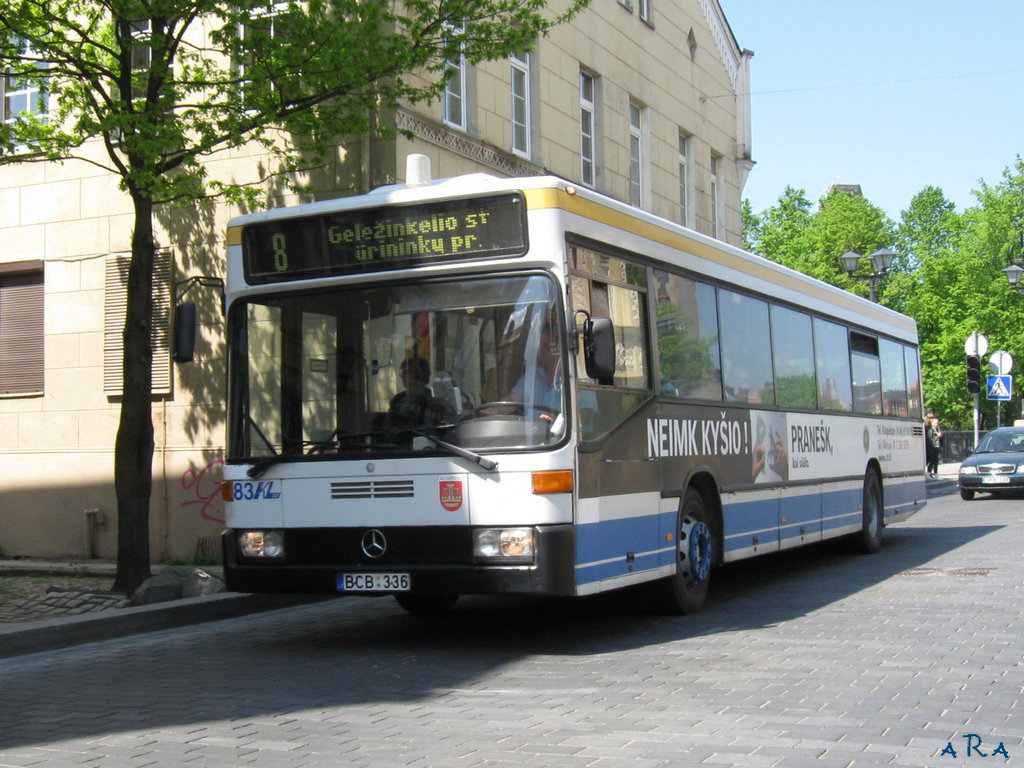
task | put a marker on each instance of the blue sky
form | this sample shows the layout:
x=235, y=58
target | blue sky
x=894, y=96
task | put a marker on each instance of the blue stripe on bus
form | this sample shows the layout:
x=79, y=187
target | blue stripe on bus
x=601, y=548
x=613, y=538
x=904, y=496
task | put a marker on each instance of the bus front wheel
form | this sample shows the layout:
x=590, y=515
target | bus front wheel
x=686, y=590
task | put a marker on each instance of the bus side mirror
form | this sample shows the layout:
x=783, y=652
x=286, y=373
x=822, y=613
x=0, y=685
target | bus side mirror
x=184, y=333
x=599, y=348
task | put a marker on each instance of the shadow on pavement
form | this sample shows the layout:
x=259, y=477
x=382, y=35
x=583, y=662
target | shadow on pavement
x=364, y=651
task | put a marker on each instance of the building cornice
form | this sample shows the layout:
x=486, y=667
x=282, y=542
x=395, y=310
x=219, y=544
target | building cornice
x=724, y=40
x=442, y=136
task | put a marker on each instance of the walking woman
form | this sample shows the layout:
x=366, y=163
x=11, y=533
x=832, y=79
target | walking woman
x=932, y=444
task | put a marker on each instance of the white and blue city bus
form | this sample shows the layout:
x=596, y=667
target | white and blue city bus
x=519, y=386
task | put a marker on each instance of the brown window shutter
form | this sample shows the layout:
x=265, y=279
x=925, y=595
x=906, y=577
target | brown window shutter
x=21, y=333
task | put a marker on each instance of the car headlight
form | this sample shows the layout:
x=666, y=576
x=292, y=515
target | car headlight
x=968, y=470
x=266, y=544
x=503, y=545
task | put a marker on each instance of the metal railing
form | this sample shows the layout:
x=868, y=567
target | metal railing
x=956, y=444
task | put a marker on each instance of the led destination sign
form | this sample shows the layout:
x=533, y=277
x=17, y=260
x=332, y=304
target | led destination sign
x=376, y=239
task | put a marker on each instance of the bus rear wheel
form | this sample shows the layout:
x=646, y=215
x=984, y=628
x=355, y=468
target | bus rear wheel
x=685, y=591
x=869, y=539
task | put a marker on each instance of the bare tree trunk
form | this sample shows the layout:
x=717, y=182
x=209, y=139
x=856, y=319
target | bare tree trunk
x=133, y=451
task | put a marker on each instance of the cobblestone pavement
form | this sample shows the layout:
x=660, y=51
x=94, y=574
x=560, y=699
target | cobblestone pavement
x=911, y=657
x=32, y=596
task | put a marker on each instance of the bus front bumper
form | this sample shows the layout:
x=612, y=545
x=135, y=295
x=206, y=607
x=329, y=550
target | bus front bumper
x=418, y=561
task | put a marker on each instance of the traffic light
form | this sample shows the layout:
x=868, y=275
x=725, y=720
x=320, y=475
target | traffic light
x=973, y=374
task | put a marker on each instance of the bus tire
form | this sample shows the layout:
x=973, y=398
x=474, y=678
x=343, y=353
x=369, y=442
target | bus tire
x=869, y=539
x=426, y=605
x=685, y=591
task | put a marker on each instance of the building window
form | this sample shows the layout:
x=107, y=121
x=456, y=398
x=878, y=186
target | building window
x=455, y=91
x=715, y=218
x=21, y=328
x=521, y=112
x=636, y=159
x=141, y=54
x=265, y=23
x=24, y=96
x=588, y=129
x=115, y=305
x=685, y=195
x=644, y=11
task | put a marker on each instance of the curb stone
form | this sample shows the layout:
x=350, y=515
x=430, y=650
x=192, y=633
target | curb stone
x=64, y=631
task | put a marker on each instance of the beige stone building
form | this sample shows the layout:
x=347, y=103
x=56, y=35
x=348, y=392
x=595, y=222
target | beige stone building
x=646, y=102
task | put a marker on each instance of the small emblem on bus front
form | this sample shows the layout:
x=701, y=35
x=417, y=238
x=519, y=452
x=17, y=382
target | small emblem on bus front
x=374, y=543
x=451, y=494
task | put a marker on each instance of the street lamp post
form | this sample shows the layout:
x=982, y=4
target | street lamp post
x=1013, y=274
x=881, y=261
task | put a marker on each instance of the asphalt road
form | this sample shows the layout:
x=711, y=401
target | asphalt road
x=816, y=657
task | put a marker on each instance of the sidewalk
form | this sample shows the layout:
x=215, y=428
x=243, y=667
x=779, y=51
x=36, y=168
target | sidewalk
x=73, y=616
x=947, y=475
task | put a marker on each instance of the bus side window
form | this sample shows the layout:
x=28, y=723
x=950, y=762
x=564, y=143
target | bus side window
x=746, y=349
x=832, y=363
x=793, y=356
x=687, y=336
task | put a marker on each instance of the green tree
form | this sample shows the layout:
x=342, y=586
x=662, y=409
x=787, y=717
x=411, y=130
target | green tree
x=780, y=233
x=148, y=89
x=957, y=287
x=994, y=237
x=930, y=228
x=926, y=286
x=813, y=242
x=751, y=225
x=843, y=223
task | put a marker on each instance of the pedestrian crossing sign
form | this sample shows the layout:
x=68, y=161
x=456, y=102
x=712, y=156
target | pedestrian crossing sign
x=1000, y=387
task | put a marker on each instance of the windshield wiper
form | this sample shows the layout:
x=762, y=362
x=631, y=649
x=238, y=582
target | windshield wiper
x=338, y=442
x=344, y=442
x=457, y=450
x=262, y=465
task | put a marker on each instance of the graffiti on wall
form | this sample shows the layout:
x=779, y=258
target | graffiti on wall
x=202, y=490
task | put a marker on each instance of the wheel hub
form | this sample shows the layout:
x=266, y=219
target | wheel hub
x=695, y=549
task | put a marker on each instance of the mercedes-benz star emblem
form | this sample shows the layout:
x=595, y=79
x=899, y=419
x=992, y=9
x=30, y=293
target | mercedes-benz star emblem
x=374, y=543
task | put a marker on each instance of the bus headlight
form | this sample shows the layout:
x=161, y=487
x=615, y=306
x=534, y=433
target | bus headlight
x=263, y=544
x=503, y=545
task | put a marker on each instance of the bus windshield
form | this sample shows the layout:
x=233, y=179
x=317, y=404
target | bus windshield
x=386, y=369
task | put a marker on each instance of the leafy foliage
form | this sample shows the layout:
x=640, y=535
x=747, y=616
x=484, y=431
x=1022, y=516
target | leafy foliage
x=165, y=83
